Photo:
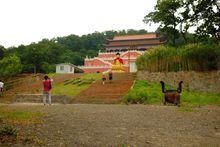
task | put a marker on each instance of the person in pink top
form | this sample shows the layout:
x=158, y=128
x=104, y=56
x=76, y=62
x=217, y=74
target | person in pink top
x=46, y=90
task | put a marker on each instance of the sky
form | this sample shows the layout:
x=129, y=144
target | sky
x=27, y=21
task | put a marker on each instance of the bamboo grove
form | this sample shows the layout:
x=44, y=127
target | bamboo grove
x=192, y=57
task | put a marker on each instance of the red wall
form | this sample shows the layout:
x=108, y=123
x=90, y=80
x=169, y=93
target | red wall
x=135, y=54
x=107, y=55
x=94, y=62
x=97, y=62
x=92, y=70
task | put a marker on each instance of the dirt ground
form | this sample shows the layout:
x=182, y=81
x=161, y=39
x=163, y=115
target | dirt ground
x=124, y=125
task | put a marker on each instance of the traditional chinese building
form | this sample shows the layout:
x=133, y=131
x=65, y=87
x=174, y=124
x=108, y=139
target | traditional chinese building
x=129, y=47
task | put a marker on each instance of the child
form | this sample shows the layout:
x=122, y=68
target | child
x=103, y=78
x=110, y=76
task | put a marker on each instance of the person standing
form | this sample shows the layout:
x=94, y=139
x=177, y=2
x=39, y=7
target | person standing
x=103, y=79
x=110, y=76
x=1, y=86
x=46, y=90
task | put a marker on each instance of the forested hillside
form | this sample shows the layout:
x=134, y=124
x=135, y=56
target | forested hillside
x=43, y=55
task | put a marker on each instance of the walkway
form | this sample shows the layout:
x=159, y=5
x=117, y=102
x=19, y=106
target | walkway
x=109, y=93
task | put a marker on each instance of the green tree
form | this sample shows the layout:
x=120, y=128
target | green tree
x=2, y=50
x=167, y=17
x=48, y=68
x=206, y=16
x=10, y=65
x=43, y=55
x=176, y=17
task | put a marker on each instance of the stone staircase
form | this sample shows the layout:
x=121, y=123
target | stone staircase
x=109, y=93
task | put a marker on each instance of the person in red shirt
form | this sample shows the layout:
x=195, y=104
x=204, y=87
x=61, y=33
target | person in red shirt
x=46, y=90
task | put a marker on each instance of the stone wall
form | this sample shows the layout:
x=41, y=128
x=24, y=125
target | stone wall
x=199, y=81
x=38, y=98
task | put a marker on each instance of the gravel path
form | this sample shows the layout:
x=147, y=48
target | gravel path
x=119, y=125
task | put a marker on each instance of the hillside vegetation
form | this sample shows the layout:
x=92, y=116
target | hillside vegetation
x=42, y=56
x=150, y=93
x=196, y=57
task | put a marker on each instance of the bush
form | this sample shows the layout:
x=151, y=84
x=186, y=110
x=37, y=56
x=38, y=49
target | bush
x=10, y=66
x=143, y=92
x=8, y=86
x=7, y=133
x=47, y=68
x=136, y=96
x=197, y=57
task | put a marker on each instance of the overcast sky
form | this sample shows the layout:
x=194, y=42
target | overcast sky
x=26, y=21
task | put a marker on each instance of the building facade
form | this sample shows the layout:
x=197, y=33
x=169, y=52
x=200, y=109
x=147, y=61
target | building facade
x=129, y=47
x=67, y=68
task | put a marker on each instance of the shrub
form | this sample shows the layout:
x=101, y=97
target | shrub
x=7, y=133
x=143, y=92
x=48, y=68
x=10, y=65
x=8, y=86
x=197, y=57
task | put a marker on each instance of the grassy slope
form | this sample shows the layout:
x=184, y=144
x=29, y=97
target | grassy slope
x=74, y=86
x=150, y=93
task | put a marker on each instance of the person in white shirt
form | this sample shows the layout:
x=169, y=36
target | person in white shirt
x=1, y=86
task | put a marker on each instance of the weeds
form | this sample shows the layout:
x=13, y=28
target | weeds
x=7, y=133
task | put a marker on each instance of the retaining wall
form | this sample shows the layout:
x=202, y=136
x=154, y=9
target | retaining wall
x=38, y=98
x=199, y=81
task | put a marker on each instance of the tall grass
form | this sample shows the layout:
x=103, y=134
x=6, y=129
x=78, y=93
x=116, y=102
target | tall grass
x=197, y=57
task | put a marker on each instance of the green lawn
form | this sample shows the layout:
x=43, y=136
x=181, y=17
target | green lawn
x=74, y=86
x=51, y=75
x=150, y=93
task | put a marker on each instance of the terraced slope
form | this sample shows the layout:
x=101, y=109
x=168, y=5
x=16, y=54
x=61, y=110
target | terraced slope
x=30, y=84
x=109, y=93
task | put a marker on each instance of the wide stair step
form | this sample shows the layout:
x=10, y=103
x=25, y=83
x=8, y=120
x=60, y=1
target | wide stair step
x=109, y=92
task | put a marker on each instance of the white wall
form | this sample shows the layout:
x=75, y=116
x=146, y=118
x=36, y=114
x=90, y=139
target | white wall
x=133, y=67
x=65, y=68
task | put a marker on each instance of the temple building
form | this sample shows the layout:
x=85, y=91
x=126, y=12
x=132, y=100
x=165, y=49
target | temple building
x=139, y=42
x=128, y=46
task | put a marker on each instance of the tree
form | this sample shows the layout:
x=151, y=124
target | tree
x=206, y=15
x=43, y=55
x=2, y=50
x=10, y=65
x=48, y=68
x=177, y=16
x=167, y=17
